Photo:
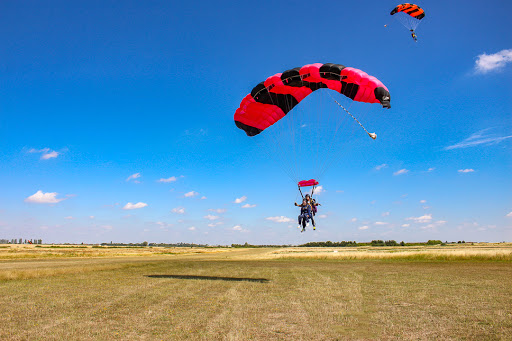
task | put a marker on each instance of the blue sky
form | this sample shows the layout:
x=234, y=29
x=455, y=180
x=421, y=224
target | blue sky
x=100, y=100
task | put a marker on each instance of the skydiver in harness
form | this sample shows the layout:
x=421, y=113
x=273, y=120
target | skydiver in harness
x=313, y=204
x=305, y=214
x=413, y=35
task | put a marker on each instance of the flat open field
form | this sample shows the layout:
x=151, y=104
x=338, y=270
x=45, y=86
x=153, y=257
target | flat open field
x=455, y=292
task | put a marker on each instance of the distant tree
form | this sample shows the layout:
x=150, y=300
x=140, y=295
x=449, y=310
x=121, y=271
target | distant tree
x=378, y=242
x=434, y=242
x=391, y=243
x=145, y=244
x=402, y=243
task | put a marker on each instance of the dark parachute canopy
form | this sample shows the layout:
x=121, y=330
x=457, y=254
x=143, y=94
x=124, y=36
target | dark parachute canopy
x=409, y=15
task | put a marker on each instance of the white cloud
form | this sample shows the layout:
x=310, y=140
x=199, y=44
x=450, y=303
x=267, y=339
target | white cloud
x=492, y=62
x=130, y=206
x=69, y=217
x=353, y=220
x=385, y=214
x=211, y=217
x=178, y=210
x=427, y=218
x=50, y=155
x=365, y=227
x=248, y=206
x=279, y=219
x=215, y=224
x=237, y=228
x=240, y=200
x=217, y=210
x=323, y=216
x=319, y=190
x=47, y=153
x=401, y=171
x=434, y=225
x=509, y=215
x=431, y=169
x=191, y=194
x=192, y=228
x=406, y=225
x=133, y=177
x=44, y=198
x=479, y=138
x=423, y=201
x=379, y=167
x=203, y=198
x=381, y=223
x=171, y=179
x=91, y=217
x=467, y=170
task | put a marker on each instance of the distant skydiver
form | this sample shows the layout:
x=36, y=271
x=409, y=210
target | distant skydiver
x=413, y=35
x=305, y=214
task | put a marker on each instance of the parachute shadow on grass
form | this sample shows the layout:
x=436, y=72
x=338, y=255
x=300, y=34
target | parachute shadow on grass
x=213, y=278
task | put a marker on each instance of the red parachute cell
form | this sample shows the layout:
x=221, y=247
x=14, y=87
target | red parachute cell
x=307, y=183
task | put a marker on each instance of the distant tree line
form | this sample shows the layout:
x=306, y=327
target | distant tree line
x=144, y=244
x=21, y=241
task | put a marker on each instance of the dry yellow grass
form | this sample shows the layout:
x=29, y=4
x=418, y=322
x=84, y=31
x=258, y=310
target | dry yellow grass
x=210, y=296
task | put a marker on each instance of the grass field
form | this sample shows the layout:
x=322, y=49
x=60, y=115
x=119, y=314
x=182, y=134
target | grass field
x=421, y=293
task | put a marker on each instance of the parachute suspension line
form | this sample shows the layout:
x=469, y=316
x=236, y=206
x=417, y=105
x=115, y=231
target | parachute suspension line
x=372, y=135
x=331, y=147
x=301, y=193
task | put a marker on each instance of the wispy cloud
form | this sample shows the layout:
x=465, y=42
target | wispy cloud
x=40, y=197
x=47, y=153
x=479, y=138
x=365, y=227
x=240, y=200
x=427, y=218
x=171, y=179
x=130, y=206
x=248, y=206
x=191, y=194
x=319, y=190
x=385, y=214
x=493, y=62
x=379, y=167
x=381, y=223
x=279, y=219
x=509, y=215
x=217, y=210
x=178, y=210
x=192, y=228
x=134, y=177
x=213, y=224
x=467, y=170
x=401, y=171
x=211, y=217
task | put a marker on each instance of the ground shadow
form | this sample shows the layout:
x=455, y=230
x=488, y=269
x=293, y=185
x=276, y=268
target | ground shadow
x=213, y=278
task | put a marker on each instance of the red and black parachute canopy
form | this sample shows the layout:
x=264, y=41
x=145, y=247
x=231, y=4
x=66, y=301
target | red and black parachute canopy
x=413, y=10
x=273, y=98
